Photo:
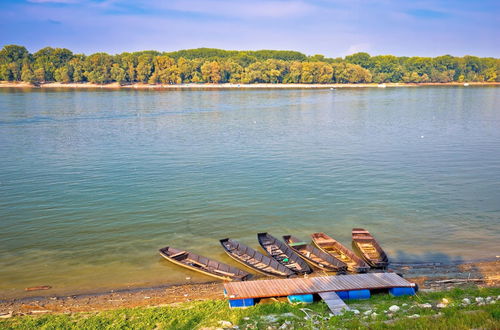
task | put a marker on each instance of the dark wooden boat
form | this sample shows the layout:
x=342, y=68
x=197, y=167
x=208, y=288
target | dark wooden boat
x=314, y=256
x=280, y=252
x=365, y=245
x=253, y=259
x=203, y=265
x=329, y=245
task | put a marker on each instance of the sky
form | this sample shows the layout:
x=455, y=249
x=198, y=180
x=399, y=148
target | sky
x=333, y=28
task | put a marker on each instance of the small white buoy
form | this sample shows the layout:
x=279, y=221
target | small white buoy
x=466, y=84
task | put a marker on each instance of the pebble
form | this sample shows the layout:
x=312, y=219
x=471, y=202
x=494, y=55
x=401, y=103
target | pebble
x=355, y=311
x=426, y=305
x=6, y=315
x=225, y=324
x=405, y=304
x=414, y=316
x=374, y=315
x=488, y=299
x=394, y=308
x=466, y=301
x=246, y=318
x=445, y=301
x=368, y=312
x=479, y=299
x=492, y=302
x=285, y=325
x=441, y=305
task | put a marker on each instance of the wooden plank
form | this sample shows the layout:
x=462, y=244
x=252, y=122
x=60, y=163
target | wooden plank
x=291, y=286
x=335, y=304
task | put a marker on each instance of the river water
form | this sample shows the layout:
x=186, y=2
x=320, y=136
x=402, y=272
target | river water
x=94, y=182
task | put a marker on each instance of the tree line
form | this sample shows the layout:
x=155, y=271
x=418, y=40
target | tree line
x=207, y=65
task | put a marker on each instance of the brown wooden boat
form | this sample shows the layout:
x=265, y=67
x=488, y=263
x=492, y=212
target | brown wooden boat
x=280, y=252
x=314, y=256
x=203, y=265
x=365, y=245
x=331, y=246
x=253, y=259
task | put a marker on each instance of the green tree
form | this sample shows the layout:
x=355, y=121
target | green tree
x=63, y=74
x=98, y=68
x=27, y=73
x=118, y=74
x=211, y=72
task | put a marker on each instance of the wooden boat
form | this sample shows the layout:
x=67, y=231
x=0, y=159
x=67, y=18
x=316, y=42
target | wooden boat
x=331, y=246
x=365, y=245
x=203, y=265
x=253, y=259
x=314, y=256
x=283, y=254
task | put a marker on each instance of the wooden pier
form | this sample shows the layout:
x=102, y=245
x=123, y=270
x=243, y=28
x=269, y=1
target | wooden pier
x=331, y=288
x=311, y=285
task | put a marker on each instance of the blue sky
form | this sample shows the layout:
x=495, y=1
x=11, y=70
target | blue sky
x=330, y=27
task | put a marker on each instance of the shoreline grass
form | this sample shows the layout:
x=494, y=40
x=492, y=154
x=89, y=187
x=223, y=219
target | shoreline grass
x=217, y=314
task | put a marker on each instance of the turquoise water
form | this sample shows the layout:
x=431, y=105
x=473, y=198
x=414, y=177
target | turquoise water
x=93, y=182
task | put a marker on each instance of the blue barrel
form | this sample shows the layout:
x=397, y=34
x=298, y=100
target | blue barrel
x=402, y=291
x=344, y=295
x=359, y=294
x=235, y=303
x=301, y=298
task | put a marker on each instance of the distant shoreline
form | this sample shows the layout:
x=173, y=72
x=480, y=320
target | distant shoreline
x=4, y=84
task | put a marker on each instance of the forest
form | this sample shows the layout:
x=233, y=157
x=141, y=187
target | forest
x=207, y=65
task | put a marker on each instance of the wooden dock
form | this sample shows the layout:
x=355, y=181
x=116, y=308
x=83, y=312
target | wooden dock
x=313, y=285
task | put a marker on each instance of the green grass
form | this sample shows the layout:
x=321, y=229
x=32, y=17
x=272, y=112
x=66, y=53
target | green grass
x=201, y=314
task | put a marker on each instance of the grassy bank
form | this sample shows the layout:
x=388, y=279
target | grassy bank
x=483, y=313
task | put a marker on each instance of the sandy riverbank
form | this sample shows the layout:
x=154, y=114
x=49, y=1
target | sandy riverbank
x=5, y=84
x=430, y=276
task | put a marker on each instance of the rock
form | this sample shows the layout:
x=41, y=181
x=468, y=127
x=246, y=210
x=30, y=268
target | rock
x=466, y=301
x=368, y=312
x=355, y=311
x=404, y=305
x=492, y=302
x=414, y=316
x=445, y=301
x=488, y=299
x=479, y=299
x=40, y=311
x=147, y=297
x=441, y=305
x=285, y=325
x=426, y=305
x=246, y=318
x=270, y=318
x=374, y=315
x=394, y=308
x=225, y=324
x=498, y=298
x=288, y=315
x=6, y=315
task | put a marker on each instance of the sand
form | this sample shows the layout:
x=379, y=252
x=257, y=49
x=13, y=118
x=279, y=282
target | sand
x=5, y=84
